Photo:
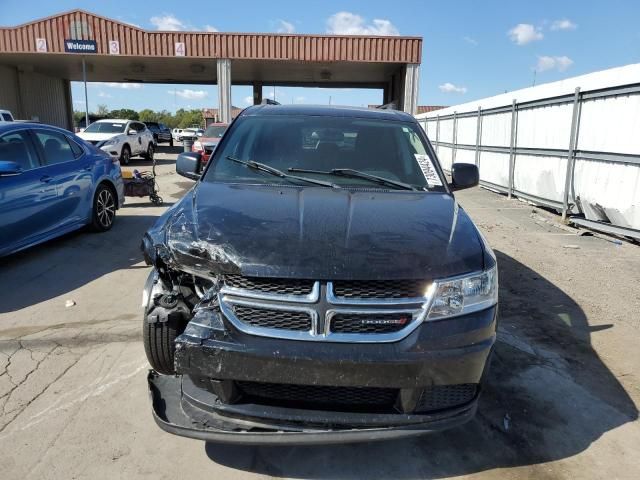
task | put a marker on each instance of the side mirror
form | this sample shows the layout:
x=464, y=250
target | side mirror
x=189, y=165
x=132, y=132
x=464, y=175
x=9, y=169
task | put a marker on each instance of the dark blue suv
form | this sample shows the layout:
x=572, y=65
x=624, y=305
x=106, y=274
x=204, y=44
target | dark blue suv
x=52, y=182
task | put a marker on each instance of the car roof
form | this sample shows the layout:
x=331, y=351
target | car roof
x=329, y=111
x=114, y=120
x=7, y=126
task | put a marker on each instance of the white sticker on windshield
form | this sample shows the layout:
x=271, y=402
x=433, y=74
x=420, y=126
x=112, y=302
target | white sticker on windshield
x=428, y=170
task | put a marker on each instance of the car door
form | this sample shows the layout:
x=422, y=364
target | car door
x=138, y=142
x=72, y=170
x=27, y=200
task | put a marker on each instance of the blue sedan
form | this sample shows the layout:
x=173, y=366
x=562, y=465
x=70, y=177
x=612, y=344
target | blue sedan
x=52, y=182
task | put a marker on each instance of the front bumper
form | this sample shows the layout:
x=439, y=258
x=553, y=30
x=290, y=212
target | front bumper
x=180, y=414
x=207, y=401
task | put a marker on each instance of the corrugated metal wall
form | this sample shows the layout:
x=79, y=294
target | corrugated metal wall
x=34, y=96
x=135, y=41
x=9, y=89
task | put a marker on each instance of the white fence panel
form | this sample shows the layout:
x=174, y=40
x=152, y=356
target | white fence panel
x=466, y=134
x=465, y=156
x=496, y=130
x=540, y=176
x=495, y=168
x=596, y=121
x=545, y=127
x=609, y=192
x=446, y=131
x=444, y=155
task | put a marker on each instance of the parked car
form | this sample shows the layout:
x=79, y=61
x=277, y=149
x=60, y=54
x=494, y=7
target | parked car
x=319, y=283
x=161, y=133
x=180, y=134
x=120, y=138
x=208, y=141
x=52, y=182
x=6, y=116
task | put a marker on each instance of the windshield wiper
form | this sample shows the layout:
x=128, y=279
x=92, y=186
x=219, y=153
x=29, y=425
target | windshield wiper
x=278, y=173
x=348, y=172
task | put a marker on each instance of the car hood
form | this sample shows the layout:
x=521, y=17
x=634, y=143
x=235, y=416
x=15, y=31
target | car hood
x=97, y=137
x=319, y=233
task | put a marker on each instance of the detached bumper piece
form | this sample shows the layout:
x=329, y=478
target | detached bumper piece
x=254, y=413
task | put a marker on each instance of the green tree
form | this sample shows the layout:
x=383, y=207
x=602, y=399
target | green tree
x=102, y=111
x=124, y=113
x=147, y=115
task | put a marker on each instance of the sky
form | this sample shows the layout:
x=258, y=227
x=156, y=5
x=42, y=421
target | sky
x=471, y=49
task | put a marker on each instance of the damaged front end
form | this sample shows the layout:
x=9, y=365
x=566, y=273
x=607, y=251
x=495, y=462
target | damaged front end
x=218, y=379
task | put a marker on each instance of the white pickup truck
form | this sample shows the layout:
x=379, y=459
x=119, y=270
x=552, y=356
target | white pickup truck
x=122, y=139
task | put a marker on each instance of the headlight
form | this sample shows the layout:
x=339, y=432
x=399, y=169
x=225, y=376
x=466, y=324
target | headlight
x=106, y=143
x=464, y=295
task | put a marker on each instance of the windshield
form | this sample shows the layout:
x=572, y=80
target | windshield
x=318, y=144
x=214, y=131
x=106, y=127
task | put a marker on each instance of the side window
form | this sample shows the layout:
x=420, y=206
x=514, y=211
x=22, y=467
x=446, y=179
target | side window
x=55, y=146
x=139, y=127
x=75, y=148
x=17, y=147
x=7, y=117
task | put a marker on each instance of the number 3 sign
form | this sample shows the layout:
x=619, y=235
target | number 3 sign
x=114, y=47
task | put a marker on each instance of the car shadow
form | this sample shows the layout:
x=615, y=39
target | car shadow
x=66, y=263
x=548, y=396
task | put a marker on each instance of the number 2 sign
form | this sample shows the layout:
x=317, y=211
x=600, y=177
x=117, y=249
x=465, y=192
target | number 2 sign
x=41, y=44
x=114, y=47
x=179, y=50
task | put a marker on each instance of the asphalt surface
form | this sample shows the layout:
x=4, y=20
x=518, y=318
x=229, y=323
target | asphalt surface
x=561, y=402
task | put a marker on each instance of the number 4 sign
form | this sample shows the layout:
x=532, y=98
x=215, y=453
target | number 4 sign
x=179, y=49
x=114, y=47
x=41, y=44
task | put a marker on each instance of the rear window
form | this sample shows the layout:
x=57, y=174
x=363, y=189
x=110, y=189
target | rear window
x=214, y=131
x=393, y=150
x=7, y=117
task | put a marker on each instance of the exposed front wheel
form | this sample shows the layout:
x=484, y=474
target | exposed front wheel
x=104, y=209
x=125, y=155
x=150, y=152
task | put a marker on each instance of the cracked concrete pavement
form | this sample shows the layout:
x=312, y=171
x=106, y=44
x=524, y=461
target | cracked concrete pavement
x=561, y=401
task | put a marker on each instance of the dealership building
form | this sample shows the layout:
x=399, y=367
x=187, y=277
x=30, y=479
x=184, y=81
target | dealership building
x=39, y=59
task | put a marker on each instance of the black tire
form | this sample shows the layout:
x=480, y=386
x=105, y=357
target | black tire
x=159, y=344
x=171, y=142
x=155, y=138
x=150, y=151
x=104, y=209
x=125, y=155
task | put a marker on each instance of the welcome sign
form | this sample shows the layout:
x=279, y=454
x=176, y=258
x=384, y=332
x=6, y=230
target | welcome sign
x=80, y=46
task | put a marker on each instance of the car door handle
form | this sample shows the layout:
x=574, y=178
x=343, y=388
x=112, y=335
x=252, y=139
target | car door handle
x=45, y=179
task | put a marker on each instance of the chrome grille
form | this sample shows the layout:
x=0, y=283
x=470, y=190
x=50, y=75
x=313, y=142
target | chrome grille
x=271, y=318
x=271, y=286
x=381, y=289
x=320, y=396
x=369, y=323
x=311, y=310
x=446, y=396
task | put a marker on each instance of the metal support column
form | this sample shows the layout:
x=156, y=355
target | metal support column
x=257, y=93
x=478, y=136
x=437, y=134
x=410, y=94
x=224, y=89
x=454, y=134
x=571, y=155
x=86, y=97
x=512, y=144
